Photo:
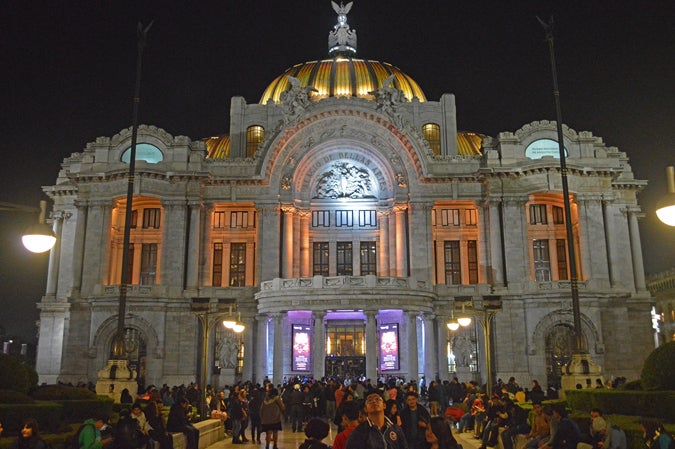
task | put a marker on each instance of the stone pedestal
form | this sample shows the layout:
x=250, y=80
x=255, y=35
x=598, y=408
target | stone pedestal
x=581, y=370
x=115, y=377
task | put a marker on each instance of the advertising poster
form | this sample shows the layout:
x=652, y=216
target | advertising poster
x=389, y=347
x=301, y=347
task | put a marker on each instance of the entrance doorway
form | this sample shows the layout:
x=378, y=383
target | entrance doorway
x=344, y=367
x=560, y=344
x=345, y=349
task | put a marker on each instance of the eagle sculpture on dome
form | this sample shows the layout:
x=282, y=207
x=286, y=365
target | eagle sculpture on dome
x=342, y=39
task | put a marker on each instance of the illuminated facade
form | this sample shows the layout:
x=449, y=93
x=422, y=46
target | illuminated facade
x=345, y=220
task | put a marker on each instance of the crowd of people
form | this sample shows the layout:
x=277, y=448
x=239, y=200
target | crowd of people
x=386, y=415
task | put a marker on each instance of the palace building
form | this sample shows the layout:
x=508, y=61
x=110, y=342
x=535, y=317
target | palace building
x=344, y=221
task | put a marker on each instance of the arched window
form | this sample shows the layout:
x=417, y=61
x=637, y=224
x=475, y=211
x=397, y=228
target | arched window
x=432, y=133
x=254, y=136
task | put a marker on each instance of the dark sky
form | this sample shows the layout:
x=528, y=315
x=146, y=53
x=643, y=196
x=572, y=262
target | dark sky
x=68, y=72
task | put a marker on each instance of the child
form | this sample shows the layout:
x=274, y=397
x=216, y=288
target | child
x=315, y=430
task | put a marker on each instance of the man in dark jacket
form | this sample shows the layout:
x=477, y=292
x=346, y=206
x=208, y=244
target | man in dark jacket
x=568, y=434
x=414, y=421
x=179, y=421
x=377, y=431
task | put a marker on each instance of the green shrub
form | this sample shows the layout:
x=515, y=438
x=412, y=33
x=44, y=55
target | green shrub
x=14, y=397
x=47, y=414
x=16, y=375
x=632, y=385
x=657, y=404
x=62, y=393
x=657, y=372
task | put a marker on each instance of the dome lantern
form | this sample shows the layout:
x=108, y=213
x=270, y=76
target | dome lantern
x=342, y=40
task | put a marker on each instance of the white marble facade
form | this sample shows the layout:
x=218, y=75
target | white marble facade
x=244, y=231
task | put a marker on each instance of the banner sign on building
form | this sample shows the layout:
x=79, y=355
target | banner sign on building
x=301, y=347
x=388, y=347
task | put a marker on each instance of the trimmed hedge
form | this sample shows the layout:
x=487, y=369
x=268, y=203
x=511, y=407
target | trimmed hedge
x=657, y=372
x=14, y=397
x=47, y=414
x=16, y=375
x=656, y=404
x=62, y=393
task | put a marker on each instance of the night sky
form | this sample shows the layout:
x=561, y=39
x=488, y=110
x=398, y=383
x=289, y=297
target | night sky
x=68, y=71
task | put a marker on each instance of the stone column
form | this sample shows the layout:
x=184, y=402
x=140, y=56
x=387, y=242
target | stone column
x=204, y=261
x=261, y=348
x=305, y=250
x=413, y=367
x=319, y=345
x=172, y=248
x=371, y=344
x=247, y=368
x=609, y=229
x=78, y=248
x=278, y=359
x=55, y=255
x=517, y=254
x=287, y=256
x=442, y=344
x=421, y=251
x=194, y=238
x=269, y=238
x=496, y=268
x=401, y=242
x=96, y=243
x=383, y=244
x=430, y=359
x=636, y=249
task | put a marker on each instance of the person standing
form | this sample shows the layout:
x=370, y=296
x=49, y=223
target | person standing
x=414, y=419
x=350, y=419
x=377, y=431
x=271, y=415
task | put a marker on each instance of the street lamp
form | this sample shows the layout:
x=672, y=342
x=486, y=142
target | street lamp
x=484, y=313
x=665, y=208
x=38, y=238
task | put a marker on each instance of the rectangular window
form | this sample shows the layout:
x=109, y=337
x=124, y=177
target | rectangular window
x=237, y=264
x=453, y=268
x=239, y=219
x=561, y=250
x=344, y=259
x=320, y=259
x=130, y=263
x=219, y=219
x=368, y=254
x=472, y=258
x=134, y=219
x=148, y=263
x=217, y=278
x=344, y=218
x=558, y=215
x=470, y=217
x=449, y=217
x=320, y=218
x=538, y=214
x=151, y=218
x=542, y=260
x=367, y=218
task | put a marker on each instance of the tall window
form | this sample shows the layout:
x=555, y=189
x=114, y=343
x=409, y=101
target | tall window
x=432, y=133
x=254, y=136
x=472, y=258
x=151, y=218
x=239, y=219
x=561, y=250
x=344, y=259
x=320, y=218
x=217, y=279
x=558, y=215
x=148, y=263
x=219, y=219
x=368, y=258
x=237, y=264
x=453, y=267
x=470, y=217
x=542, y=260
x=134, y=219
x=538, y=214
x=320, y=258
x=449, y=217
x=344, y=218
x=367, y=218
x=130, y=263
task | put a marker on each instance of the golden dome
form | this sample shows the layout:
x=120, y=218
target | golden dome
x=218, y=147
x=343, y=77
x=469, y=144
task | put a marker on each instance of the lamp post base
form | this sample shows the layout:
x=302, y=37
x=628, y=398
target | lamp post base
x=581, y=370
x=115, y=377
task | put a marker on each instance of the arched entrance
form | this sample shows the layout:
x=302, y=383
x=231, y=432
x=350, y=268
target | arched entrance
x=559, y=349
x=136, y=352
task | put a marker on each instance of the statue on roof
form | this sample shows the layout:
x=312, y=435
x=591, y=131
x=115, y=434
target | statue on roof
x=296, y=99
x=342, y=40
x=388, y=98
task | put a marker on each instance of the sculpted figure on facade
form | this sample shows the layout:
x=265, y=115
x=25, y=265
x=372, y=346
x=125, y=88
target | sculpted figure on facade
x=295, y=100
x=388, y=99
x=228, y=352
x=344, y=180
x=342, y=37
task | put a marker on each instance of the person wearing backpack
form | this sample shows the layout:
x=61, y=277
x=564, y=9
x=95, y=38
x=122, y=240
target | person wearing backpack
x=655, y=435
x=89, y=434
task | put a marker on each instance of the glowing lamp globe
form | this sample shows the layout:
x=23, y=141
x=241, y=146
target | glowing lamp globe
x=38, y=238
x=665, y=208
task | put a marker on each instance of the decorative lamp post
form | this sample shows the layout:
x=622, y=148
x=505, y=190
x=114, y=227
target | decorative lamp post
x=37, y=238
x=665, y=208
x=483, y=313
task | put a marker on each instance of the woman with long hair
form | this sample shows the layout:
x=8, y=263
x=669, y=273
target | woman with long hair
x=655, y=435
x=271, y=415
x=391, y=411
x=29, y=436
x=439, y=434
